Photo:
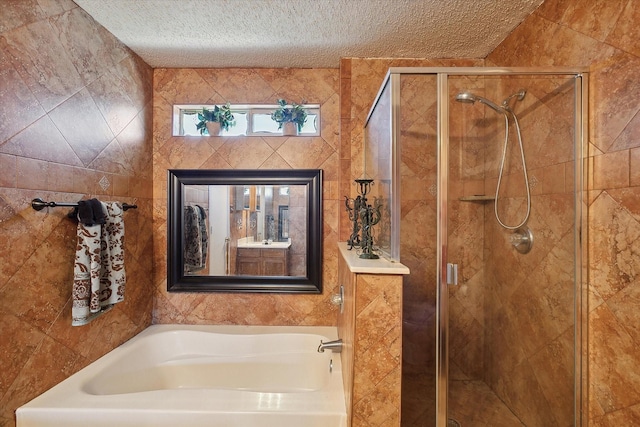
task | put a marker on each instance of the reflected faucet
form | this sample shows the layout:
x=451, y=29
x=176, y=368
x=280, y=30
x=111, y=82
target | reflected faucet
x=334, y=346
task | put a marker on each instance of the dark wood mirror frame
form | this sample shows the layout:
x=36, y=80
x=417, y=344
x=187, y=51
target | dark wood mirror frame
x=177, y=281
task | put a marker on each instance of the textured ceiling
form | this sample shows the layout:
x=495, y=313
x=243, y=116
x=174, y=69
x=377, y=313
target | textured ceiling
x=305, y=33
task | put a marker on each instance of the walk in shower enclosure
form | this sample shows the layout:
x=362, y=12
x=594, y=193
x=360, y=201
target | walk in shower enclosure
x=480, y=172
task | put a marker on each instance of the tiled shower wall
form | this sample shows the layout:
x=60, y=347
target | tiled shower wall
x=604, y=36
x=527, y=304
x=74, y=101
x=246, y=86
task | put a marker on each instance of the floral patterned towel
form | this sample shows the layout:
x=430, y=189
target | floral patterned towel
x=196, y=238
x=99, y=276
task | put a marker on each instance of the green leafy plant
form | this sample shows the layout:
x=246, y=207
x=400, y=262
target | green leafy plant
x=221, y=115
x=295, y=114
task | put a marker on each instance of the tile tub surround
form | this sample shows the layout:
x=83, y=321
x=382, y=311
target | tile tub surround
x=57, y=64
x=371, y=329
x=240, y=86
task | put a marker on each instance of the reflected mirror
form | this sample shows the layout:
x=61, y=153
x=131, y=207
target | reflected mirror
x=245, y=230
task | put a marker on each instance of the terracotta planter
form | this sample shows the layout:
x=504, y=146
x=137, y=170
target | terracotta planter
x=213, y=128
x=289, y=129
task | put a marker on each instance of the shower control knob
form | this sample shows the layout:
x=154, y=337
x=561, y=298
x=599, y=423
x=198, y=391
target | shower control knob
x=522, y=240
x=338, y=299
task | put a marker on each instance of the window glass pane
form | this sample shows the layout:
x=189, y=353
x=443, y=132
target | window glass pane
x=263, y=123
x=311, y=125
x=250, y=120
x=189, y=120
x=241, y=125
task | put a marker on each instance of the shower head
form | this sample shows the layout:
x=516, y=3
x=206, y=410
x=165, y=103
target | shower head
x=467, y=97
x=470, y=98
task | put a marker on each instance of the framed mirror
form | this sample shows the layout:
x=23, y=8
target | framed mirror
x=233, y=230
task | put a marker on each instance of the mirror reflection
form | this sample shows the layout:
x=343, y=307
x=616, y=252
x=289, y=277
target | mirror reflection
x=233, y=230
x=255, y=230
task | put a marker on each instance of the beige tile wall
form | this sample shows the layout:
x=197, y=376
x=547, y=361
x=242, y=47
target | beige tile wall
x=377, y=348
x=371, y=329
x=605, y=37
x=76, y=109
x=346, y=331
x=242, y=86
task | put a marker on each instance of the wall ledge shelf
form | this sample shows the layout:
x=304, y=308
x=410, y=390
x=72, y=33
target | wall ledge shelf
x=479, y=198
x=370, y=266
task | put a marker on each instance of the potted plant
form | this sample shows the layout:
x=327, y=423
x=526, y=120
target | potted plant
x=213, y=121
x=289, y=118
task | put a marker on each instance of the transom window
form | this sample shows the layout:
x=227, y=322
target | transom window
x=251, y=120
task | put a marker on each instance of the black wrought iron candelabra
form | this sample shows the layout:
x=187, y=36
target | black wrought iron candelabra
x=353, y=208
x=364, y=217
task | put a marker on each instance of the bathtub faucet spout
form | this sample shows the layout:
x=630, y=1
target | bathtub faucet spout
x=335, y=346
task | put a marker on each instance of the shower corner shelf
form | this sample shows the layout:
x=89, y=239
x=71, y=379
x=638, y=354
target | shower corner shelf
x=480, y=198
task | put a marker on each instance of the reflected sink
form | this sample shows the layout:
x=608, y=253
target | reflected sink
x=272, y=245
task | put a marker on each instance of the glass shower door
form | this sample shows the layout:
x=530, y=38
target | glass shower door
x=510, y=316
x=417, y=150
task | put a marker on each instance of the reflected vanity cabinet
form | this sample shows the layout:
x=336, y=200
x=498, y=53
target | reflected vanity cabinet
x=262, y=262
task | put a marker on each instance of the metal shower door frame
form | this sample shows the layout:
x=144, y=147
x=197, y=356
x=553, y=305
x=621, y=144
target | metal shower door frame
x=580, y=291
x=442, y=75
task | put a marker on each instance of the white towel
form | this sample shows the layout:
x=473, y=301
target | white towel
x=99, y=275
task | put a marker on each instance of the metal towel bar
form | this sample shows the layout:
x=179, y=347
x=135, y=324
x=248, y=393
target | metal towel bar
x=39, y=204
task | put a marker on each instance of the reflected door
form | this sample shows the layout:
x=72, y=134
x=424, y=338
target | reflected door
x=219, y=207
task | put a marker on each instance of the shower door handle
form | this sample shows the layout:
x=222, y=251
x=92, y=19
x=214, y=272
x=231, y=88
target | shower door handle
x=452, y=274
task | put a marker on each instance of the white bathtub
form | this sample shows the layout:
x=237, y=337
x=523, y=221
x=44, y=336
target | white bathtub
x=213, y=376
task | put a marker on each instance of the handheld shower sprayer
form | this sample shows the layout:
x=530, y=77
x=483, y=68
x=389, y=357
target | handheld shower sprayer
x=471, y=98
x=505, y=109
